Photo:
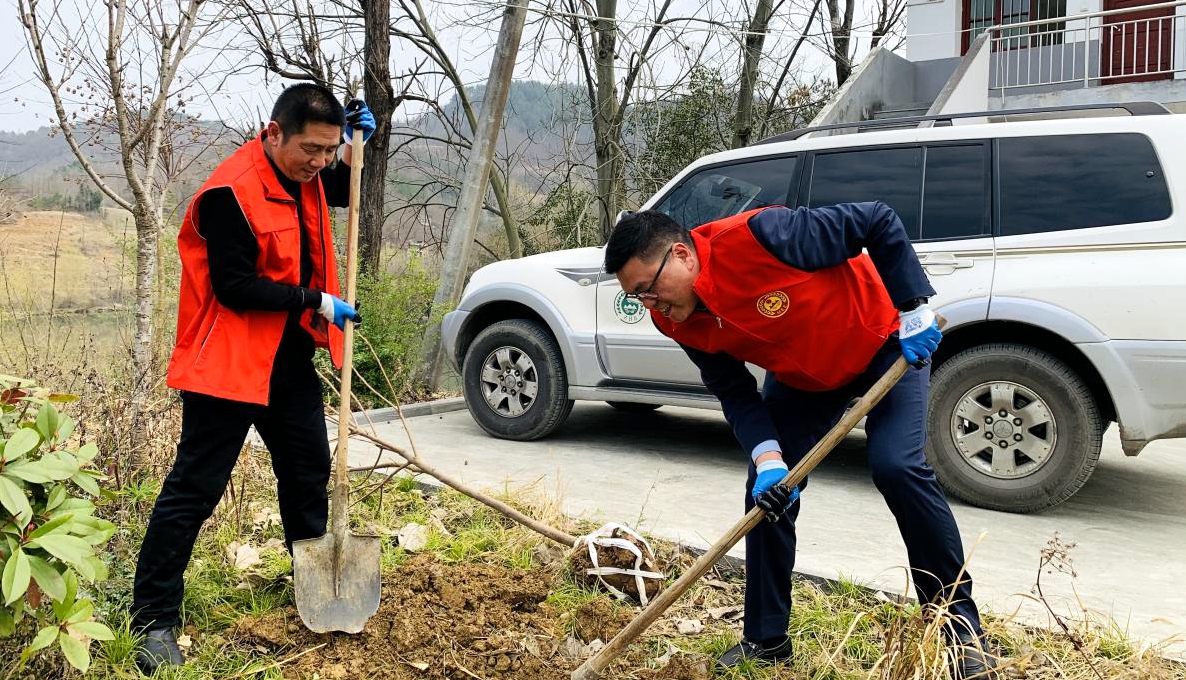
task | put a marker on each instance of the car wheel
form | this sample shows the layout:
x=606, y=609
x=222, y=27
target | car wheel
x=1011, y=428
x=633, y=406
x=514, y=382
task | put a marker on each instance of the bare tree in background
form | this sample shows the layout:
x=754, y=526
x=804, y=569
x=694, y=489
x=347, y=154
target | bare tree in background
x=414, y=27
x=120, y=72
x=292, y=43
x=597, y=50
x=755, y=39
x=840, y=45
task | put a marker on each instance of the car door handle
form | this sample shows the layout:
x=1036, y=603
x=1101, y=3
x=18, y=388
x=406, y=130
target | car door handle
x=944, y=263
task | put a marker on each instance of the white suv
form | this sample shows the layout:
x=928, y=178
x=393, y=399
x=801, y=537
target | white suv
x=1057, y=247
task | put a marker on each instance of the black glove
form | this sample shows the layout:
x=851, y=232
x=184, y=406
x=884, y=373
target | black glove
x=777, y=500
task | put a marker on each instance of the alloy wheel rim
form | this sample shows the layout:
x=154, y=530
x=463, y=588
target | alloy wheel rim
x=509, y=381
x=1003, y=429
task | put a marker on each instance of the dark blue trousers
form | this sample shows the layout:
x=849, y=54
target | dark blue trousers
x=896, y=429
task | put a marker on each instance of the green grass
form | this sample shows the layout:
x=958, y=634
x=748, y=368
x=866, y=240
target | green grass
x=840, y=632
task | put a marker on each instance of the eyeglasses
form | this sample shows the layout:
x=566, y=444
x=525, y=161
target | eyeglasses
x=647, y=294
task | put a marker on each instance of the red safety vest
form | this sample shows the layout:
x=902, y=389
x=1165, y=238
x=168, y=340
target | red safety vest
x=815, y=331
x=226, y=353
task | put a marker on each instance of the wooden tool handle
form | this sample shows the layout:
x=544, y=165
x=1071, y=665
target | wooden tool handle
x=339, y=511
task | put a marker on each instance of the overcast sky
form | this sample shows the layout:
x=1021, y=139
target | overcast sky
x=248, y=96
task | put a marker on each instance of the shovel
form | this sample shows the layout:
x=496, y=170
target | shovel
x=597, y=663
x=337, y=575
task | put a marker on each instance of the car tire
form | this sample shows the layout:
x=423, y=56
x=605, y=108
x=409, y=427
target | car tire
x=514, y=382
x=633, y=406
x=1039, y=454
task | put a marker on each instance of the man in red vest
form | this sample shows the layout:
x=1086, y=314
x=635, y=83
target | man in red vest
x=791, y=291
x=259, y=292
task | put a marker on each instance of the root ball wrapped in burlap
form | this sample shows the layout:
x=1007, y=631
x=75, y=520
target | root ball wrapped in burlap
x=616, y=558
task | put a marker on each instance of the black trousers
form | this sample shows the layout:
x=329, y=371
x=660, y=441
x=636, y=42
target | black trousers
x=213, y=430
x=896, y=430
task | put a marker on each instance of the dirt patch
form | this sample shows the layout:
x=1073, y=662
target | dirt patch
x=434, y=621
x=438, y=621
x=599, y=620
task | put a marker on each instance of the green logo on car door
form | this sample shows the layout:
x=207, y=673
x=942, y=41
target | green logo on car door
x=629, y=311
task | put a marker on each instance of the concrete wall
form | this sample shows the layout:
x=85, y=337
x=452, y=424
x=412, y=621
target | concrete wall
x=1172, y=93
x=967, y=88
x=933, y=29
x=931, y=76
x=882, y=80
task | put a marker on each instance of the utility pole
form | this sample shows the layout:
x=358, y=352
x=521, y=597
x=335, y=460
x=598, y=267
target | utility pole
x=473, y=187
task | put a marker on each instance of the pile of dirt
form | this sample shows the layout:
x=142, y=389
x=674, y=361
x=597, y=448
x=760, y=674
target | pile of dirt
x=439, y=620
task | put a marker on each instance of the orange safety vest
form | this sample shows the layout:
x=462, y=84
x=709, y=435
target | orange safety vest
x=229, y=353
x=815, y=331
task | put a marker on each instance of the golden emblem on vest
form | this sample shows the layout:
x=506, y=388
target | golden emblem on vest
x=773, y=304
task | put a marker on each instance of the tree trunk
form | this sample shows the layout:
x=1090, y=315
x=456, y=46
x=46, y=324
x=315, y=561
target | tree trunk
x=380, y=98
x=841, y=27
x=743, y=122
x=606, y=130
x=147, y=240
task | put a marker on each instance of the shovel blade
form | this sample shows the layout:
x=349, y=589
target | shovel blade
x=336, y=602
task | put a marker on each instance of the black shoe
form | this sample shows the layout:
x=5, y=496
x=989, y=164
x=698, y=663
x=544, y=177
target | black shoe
x=158, y=648
x=755, y=651
x=973, y=661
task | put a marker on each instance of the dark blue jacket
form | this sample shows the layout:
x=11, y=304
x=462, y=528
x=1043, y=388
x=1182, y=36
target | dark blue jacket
x=810, y=239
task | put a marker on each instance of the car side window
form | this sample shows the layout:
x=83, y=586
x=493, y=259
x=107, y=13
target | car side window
x=1063, y=182
x=955, y=192
x=720, y=191
x=892, y=176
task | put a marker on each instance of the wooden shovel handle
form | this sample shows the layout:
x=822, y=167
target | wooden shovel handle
x=340, y=510
x=595, y=664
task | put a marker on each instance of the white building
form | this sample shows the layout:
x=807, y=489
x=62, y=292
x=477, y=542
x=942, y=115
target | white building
x=977, y=55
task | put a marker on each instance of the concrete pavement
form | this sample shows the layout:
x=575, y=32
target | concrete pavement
x=678, y=473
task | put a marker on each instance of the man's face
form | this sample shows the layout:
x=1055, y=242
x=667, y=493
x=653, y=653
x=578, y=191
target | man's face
x=665, y=283
x=302, y=155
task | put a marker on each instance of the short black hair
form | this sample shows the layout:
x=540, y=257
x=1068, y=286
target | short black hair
x=304, y=103
x=643, y=235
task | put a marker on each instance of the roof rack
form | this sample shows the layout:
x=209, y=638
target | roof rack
x=1135, y=108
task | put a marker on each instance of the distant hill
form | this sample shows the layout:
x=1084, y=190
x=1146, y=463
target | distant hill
x=24, y=152
x=542, y=121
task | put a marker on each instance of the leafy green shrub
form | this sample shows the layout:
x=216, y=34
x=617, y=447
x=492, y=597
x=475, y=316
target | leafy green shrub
x=49, y=534
x=394, y=308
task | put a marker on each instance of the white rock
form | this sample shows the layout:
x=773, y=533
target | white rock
x=688, y=626
x=242, y=556
x=413, y=537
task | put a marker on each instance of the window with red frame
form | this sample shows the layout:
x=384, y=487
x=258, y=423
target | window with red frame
x=980, y=14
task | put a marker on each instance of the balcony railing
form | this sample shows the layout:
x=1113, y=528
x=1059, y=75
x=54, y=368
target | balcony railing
x=1098, y=48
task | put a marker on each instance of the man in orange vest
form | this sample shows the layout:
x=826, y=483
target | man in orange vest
x=259, y=292
x=790, y=291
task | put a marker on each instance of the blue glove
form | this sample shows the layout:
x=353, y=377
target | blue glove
x=767, y=493
x=919, y=335
x=359, y=116
x=337, y=311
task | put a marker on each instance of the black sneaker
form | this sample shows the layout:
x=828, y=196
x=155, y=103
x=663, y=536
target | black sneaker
x=755, y=651
x=973, y=661
x=158, y=648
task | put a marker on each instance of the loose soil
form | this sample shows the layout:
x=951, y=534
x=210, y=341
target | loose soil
x=440, y=620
